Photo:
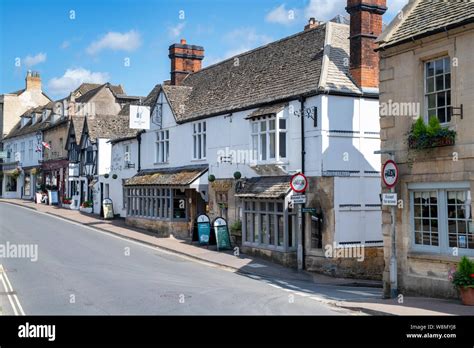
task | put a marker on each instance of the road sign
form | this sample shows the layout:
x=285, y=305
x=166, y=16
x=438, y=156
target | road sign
x=298, y=199
x=390, y=173
x=299, y=183
x=389, y=199
x=309, y=210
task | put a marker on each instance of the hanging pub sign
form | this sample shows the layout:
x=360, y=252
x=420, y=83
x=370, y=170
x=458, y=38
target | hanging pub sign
x=222, y=234
x=204, y=229
x=139, y=117
x=299, y=183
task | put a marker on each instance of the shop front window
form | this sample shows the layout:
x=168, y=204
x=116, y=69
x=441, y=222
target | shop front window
x=264, y=224
x=11, y=183
x=179, y=204
x=27, y=185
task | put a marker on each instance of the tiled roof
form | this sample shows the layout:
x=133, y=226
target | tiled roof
x=89, y=94
x=423, y=18
x=78, y=124
x=28, y=128
x=109, y=127
x=180, y=176
x=270, y=187
x=301, y=64
x=86, y=87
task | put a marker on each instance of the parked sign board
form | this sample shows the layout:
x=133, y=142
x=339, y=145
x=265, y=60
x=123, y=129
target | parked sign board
x=299, y=183
x=222, y=234
x=3, y=154
x=204, y=229
x=389, y=199
x=390, y=173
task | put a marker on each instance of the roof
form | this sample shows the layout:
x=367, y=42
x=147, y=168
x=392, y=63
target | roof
x=267, y=110
x=270, y=187
x=28, y=128
x=423, y=18
x=179, y=176
x=78, y=123
x=302, y=64
x=91, y=92
x=109, y=127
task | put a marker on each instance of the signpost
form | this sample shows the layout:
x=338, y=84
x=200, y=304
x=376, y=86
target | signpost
x=299, y=184
x=390, y=174
x=312, y=211
x=389, y=199
x=139, y=117
x=204, y=229
x=222, y=234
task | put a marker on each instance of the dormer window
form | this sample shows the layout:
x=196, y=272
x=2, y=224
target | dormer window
x=24, y=121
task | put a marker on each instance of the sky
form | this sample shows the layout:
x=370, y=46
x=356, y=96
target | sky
x=126, y=41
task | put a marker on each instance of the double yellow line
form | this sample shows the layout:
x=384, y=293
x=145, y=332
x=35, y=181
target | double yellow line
x=14, y=302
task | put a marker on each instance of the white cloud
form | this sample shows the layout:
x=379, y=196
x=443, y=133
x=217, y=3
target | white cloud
x=281, y=15
x=72, y=78
x=175, y=32
x=65, y=44
x=115, y=41
x=325, y=9
x=33, y=60
x=394, y=6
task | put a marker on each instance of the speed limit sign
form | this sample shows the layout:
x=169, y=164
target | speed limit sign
x=390, y=173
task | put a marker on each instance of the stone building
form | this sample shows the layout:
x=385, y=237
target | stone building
x=427, y=55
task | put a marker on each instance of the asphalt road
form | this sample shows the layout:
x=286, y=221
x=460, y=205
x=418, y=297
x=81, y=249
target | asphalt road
x=80, y=271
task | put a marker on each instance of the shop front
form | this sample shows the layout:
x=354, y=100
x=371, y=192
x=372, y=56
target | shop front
x=166, y=201
x=11, y=187
x=54, y=177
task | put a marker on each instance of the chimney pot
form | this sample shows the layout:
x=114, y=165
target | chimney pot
x=312, y=23
x=33, y=80
x=183, y=41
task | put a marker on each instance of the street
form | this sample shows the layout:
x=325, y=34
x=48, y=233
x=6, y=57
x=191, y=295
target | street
x=81, y=271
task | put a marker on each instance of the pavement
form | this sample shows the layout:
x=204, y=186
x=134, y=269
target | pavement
x=358, y=296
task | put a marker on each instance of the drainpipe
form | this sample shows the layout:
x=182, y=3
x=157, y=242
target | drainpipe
x=302, y=100
x=139, y=138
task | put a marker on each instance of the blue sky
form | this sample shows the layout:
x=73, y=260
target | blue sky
x=126, y=41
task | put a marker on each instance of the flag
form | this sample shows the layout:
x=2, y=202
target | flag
x=46, y=145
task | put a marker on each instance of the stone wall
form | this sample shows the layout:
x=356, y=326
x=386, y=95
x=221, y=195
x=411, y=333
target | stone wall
x=179, y=229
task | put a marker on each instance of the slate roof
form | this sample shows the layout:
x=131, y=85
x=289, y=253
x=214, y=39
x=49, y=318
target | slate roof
x=423, y=18
x=28, y=128
x=109, y=127
x=302, y=64
x=270, y=187
x=179, y=176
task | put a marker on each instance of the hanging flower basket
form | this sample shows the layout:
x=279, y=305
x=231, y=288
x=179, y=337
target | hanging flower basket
x=16, y=173
x=106, y=176
x=237, y=175
x=211, y=178
x=114, y=176
x=35, y=171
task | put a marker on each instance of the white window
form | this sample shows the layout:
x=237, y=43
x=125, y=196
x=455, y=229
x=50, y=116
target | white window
x=199, y=140
x=22, y=152
x=269, y=139
x=126, y=154
x=162, y=146
x=442, y=220
x=30, y=150
x=438, y=89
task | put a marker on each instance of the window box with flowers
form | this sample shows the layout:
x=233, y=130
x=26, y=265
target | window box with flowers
x=463, y=279
x=86, y=207
x=67, y=201
x=425, y=136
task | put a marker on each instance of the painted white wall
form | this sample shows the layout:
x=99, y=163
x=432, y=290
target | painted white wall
x=104, y=153
x=118, y=167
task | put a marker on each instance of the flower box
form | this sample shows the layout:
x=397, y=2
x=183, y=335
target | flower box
x=430, y=142
x=423, y=136
x=87, y=210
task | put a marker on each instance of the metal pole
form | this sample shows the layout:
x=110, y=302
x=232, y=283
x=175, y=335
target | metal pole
x=393, y=256
x=299, y=252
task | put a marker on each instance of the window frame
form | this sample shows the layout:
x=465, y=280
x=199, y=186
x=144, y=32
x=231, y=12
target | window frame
x=162, y=146
x=199, y=141
x=442, y=190
x=256, y=148
x=426, y=94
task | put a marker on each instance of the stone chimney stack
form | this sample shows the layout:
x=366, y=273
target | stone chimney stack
x=365, y=27
x=312, y=23
x=33, y=81
x=185, y=59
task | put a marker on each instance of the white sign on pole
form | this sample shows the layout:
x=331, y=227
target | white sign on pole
x=139, y=117
x=298, y=199
x=389, y=199
x=17, y=157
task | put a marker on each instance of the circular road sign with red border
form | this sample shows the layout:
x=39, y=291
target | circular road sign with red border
x=299, y=183
x=390, y=173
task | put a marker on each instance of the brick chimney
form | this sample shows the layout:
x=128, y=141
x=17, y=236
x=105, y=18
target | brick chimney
x=33, y=81
x=312, y=23
x=366, y=26
x=185, y=59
